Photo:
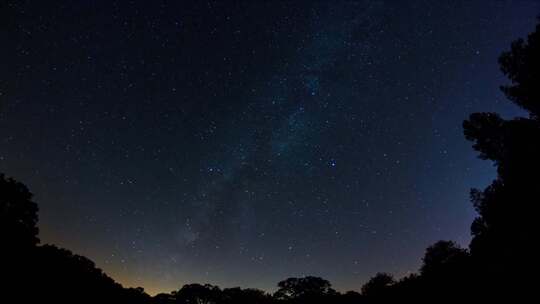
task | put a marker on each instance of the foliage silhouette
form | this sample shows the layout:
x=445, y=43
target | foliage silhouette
x=504, y=232
x=378, y=286
x=244, y=296
x=197, y=294
x=443, y=257
x=50, y=273
x=18, y=215
x=303, y=289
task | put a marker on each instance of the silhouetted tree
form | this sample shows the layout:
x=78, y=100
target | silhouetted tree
x=42, y=274
x=308, y=288
x=63, y=276
x=504, y=233
x=443, y=257
x=18, y=233
x=378, y=285
x=238, y=295
x=445, y=270
x=198, y=294
x=411, y=288
x=18, y=215
x=351, y=297
x=522, y=66
x=135, y=295
x=163, y=298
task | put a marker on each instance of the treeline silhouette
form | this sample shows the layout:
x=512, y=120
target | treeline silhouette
x=500, y=263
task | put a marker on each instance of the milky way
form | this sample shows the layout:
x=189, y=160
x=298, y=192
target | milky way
x=243, y=144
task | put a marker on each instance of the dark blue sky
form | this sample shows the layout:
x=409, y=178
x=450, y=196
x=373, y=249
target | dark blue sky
x=241, y=144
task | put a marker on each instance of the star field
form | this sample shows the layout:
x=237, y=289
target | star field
x=241, y=144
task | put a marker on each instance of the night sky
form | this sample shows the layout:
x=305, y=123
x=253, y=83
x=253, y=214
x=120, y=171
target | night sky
x=241, y=144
